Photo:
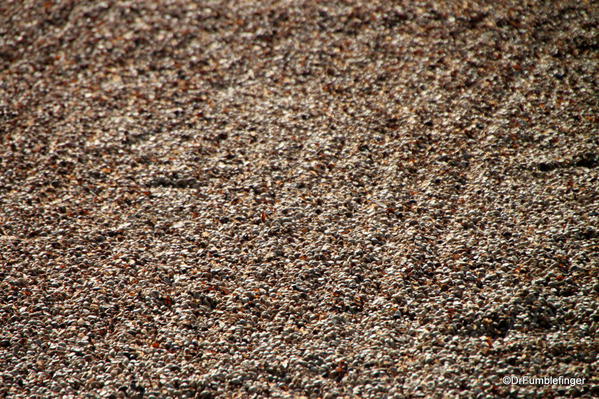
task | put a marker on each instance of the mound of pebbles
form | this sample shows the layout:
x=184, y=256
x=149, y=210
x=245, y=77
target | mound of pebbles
x=287, y=199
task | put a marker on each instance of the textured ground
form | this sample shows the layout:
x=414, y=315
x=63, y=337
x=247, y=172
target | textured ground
x=320, y=199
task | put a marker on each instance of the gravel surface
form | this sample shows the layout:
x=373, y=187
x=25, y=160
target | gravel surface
x=298, y=198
